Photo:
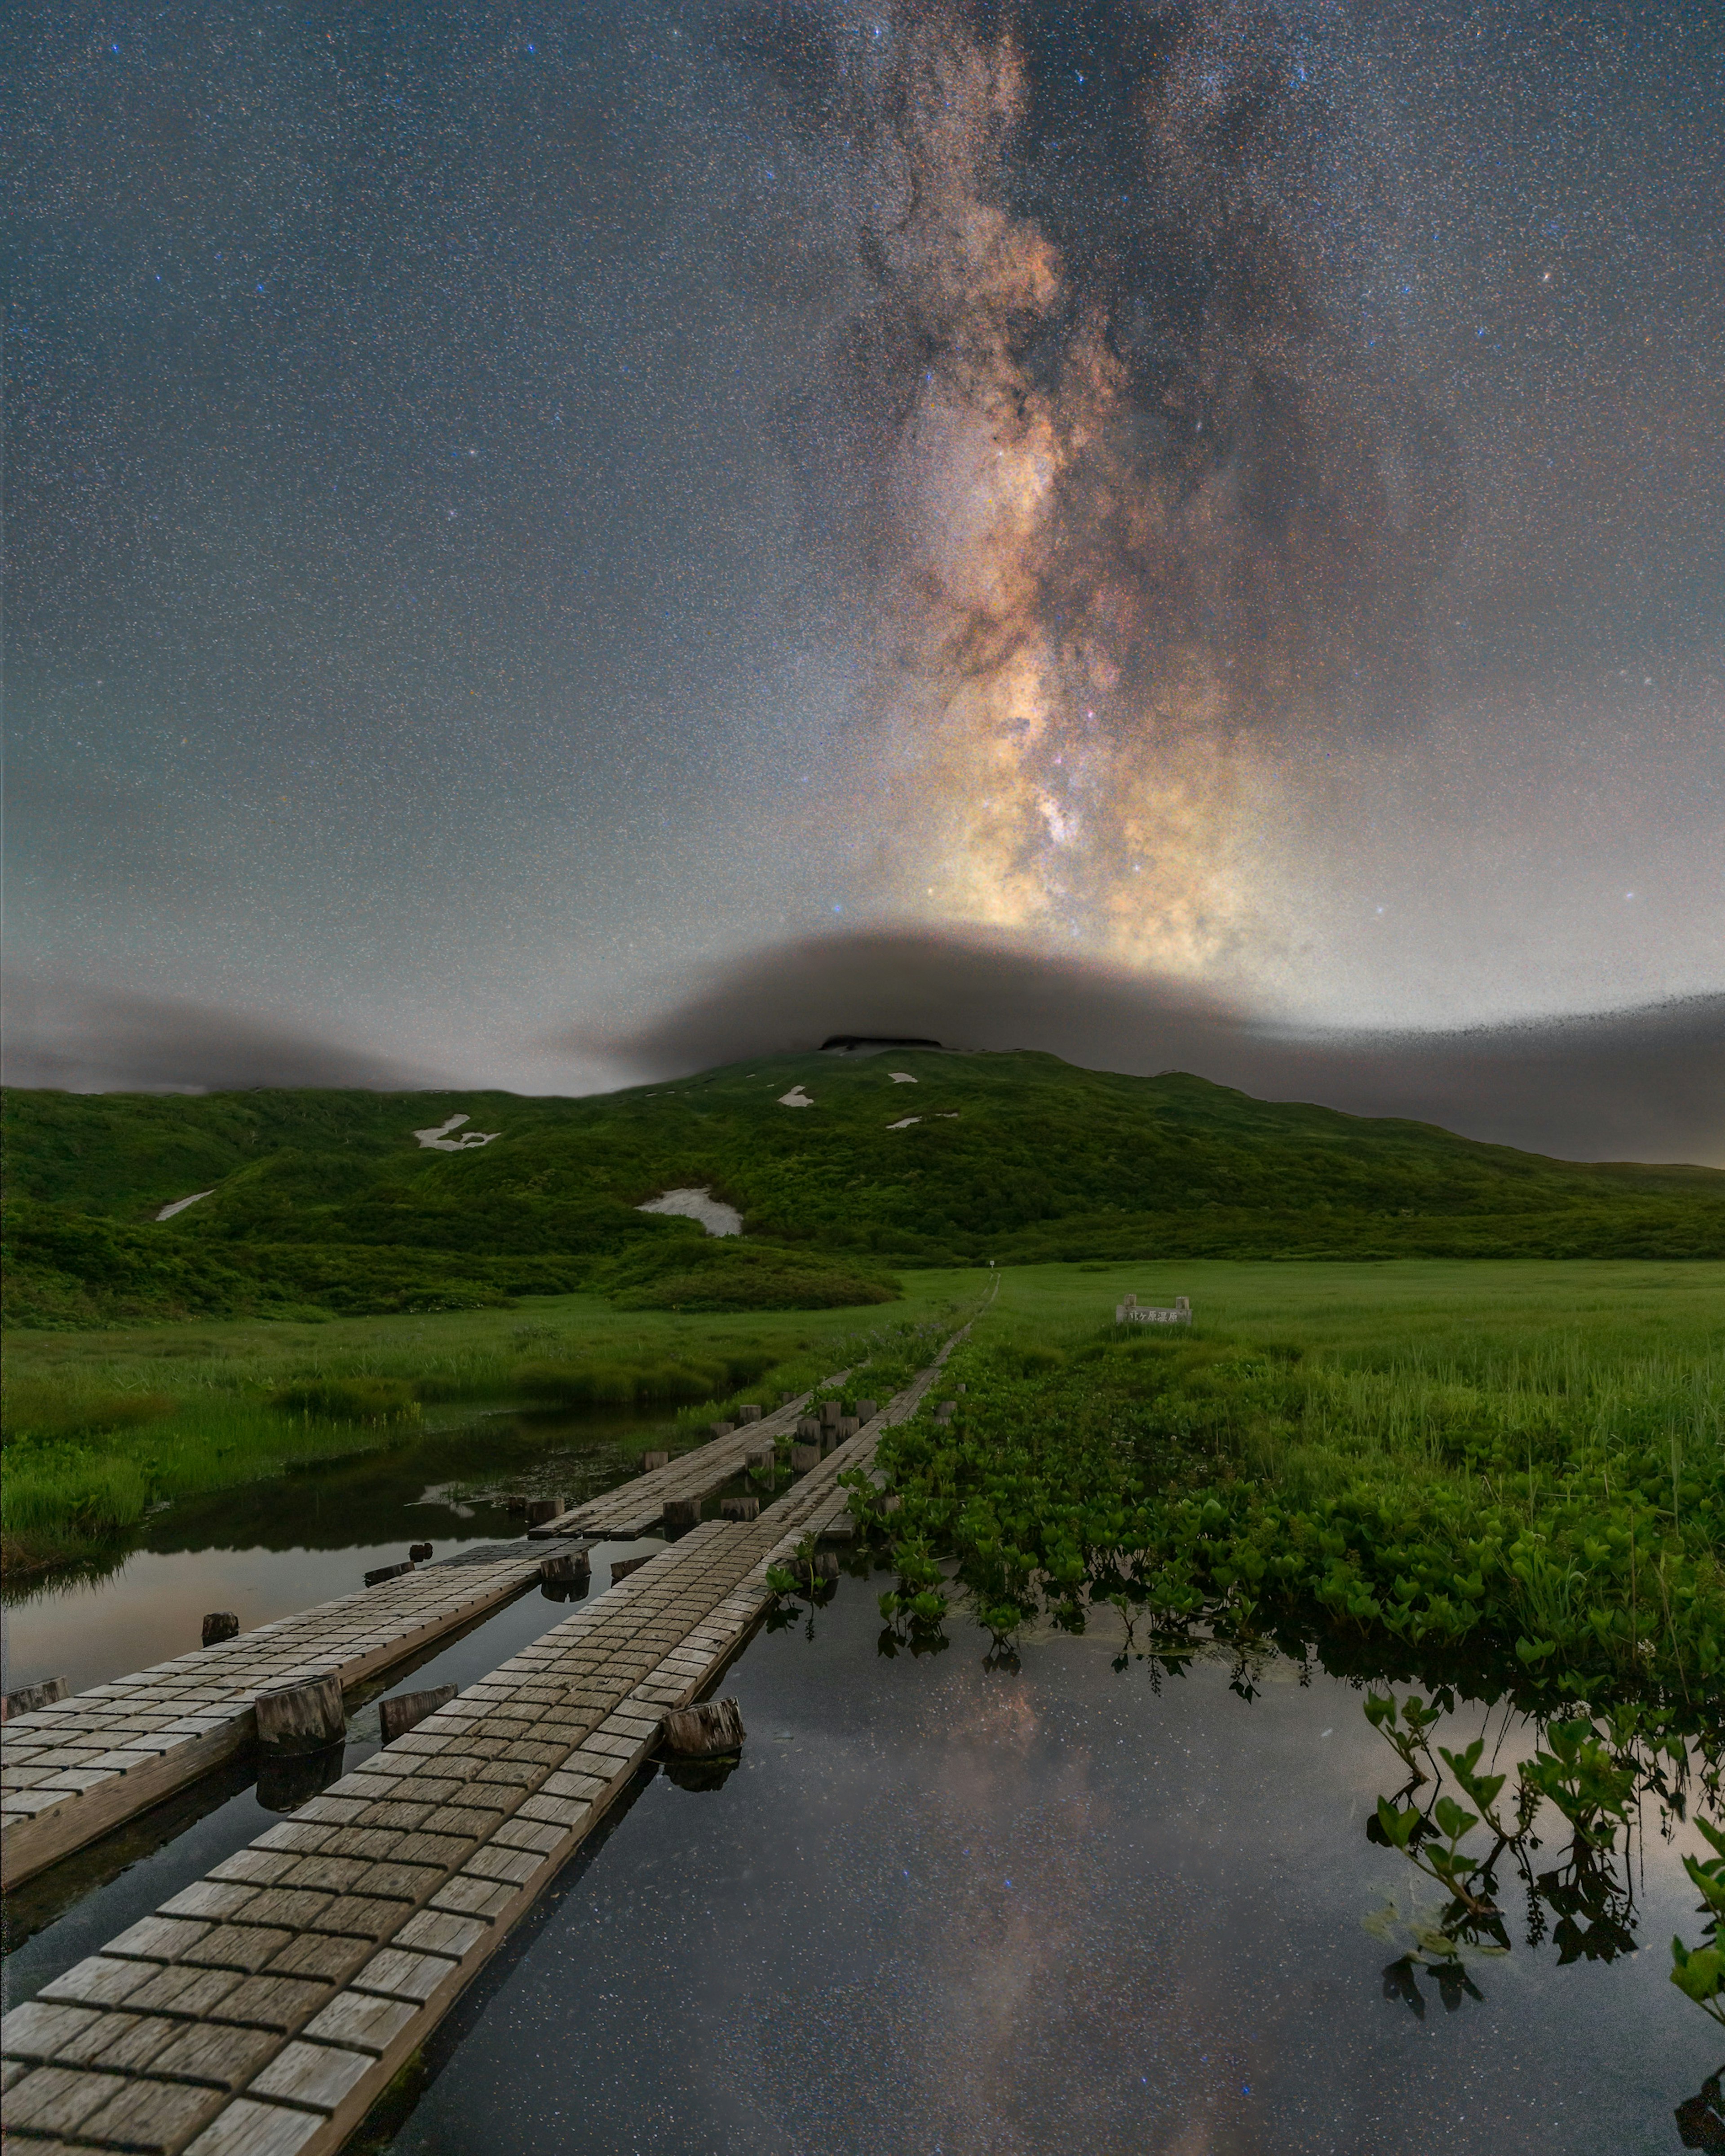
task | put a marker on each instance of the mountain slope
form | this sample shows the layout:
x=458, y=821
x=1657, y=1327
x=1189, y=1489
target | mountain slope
x=1013, y=1156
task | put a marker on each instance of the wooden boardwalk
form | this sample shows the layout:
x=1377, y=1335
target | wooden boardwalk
x=637, y=1507
x=73, y=1772
x=263, y=2010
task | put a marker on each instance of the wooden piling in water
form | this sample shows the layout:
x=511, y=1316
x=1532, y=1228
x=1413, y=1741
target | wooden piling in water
x=408, y=1709
x=707, y=1731
x=302, y=1717
x=28, y=1698
x=220, y=1625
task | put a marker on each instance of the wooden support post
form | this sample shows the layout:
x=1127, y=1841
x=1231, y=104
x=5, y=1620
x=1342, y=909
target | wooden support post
x=866, y=1410
x=808, y=1429
x=541, y=1509
x=720, y=1428
x=28, y=1698
x=848, y=1426
x=805, y=1456
x=649, y=1460
x=747, y=1413
x=739, y=1508
x=568, y=1566
x=830, y=1411
x=220, y=1625
x=681, y=1514
x=707, y=1731
x=302, y=1717
x=763, y=1462
x=419, y=1553
x=408, y=1709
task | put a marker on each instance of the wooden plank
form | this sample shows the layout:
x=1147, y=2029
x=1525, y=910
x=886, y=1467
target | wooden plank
x=71, y=1772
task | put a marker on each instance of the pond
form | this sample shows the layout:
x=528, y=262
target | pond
x=267, y=1549
x=940, y=1907
x=1062, y=1905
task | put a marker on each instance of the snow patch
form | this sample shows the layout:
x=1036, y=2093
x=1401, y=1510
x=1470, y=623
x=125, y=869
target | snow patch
x=796, y=1098
x=437, y=1139
x=717, y=1218
x=901, y=1077
x=905, y=1123
x=180, y=1204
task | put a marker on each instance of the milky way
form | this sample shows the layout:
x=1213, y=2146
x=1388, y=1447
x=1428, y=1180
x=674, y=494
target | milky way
x=502, y=514
x=1150, y=506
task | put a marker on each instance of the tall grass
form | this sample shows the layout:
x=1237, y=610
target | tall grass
x=98, y=1428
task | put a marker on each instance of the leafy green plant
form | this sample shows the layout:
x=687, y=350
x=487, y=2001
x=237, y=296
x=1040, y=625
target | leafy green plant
x=1699, y=1971
x=1433, y=1845
x=1580, y=1775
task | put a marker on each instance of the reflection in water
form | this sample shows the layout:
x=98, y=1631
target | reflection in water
x=1701, y=2121
x=1063, y=1906
x=287, y=1781
x=270, y=1548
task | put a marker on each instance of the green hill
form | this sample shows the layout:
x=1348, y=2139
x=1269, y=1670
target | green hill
x=326, y=1200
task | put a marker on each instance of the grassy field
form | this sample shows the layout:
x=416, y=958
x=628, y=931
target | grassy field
x=1512, y=1471
x=98, y=1426
x=1510, y=1467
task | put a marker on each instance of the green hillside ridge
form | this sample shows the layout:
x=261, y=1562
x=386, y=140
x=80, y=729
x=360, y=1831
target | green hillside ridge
x=323, y=1199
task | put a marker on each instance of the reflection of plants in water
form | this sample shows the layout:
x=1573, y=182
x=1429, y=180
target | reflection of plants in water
x=1428, y=1946
x=1594, y=1779
x=1701, y=2121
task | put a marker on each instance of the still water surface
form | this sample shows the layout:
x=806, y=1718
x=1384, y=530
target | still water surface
x=940, y=1908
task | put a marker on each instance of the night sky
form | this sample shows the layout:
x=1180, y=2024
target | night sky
x=512, y=513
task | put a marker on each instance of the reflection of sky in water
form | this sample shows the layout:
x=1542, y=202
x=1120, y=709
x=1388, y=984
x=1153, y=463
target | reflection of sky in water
x=941, y=1910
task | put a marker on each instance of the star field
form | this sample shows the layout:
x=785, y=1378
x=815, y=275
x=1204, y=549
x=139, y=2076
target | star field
x=495, y=513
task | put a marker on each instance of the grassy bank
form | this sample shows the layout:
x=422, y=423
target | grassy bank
x=100, y=1426
x=1513, y=1471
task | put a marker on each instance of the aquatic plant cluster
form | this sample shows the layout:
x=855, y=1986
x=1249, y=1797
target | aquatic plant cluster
x=1551, y=1529
x=1597, y=1774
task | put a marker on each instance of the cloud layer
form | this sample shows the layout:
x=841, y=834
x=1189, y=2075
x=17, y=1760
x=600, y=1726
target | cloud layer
x=86, y=1039
x=1642, y=1085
